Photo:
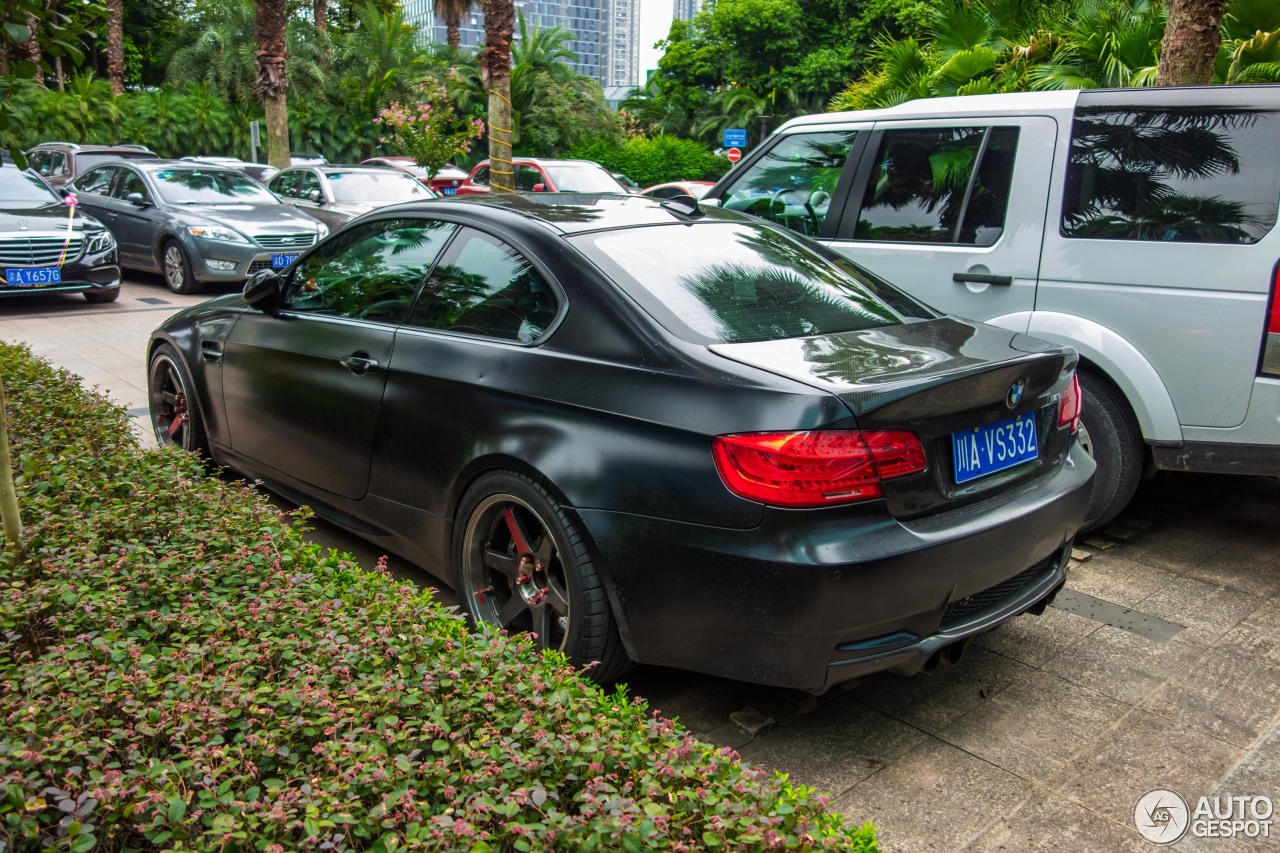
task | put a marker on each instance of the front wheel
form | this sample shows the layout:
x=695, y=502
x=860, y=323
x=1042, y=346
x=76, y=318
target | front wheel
x=177, y=269
x=1116, y=445
x=523, y=565
x=175, y=417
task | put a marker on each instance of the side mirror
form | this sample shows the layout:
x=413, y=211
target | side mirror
x=263, y=291
x=539, y=188
x=136, y=198
x=316, y=196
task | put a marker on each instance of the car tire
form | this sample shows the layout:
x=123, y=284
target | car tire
x=523, y=564
x=175, y=414
x=177, y=269
x=100, y=296
x=1116, y=445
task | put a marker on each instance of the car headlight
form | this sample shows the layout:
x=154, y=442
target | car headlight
x=217, y=232
x=99, y=242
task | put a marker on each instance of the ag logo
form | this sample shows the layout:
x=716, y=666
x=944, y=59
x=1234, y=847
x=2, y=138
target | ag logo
x=1161, y=816
x=1014, y=397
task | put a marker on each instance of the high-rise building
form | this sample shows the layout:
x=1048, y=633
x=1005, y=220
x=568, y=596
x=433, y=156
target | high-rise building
x=606, y=33
x=685, y=10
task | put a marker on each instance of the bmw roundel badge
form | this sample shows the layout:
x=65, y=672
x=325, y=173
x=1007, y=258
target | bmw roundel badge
x=1014, y=397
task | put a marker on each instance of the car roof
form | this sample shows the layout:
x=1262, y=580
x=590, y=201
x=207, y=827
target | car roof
x=157, y=164
x=574, y=213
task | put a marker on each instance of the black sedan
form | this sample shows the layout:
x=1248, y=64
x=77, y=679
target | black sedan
x=647, y=432
x=46, y=245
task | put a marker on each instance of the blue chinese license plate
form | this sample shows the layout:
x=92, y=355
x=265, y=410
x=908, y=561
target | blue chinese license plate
x=36, y=277
x=278, y=261
x=450, y=190
x=994, y=447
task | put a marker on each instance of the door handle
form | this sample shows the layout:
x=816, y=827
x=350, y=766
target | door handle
x=359, y=364
x=982, y=278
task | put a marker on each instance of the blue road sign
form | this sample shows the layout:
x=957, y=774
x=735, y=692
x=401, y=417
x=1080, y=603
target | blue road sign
x=735, y=138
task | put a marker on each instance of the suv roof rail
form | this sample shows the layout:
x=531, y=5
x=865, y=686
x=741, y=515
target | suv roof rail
x=132, y=146
x=68, y=144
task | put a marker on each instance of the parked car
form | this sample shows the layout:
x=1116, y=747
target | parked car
x=260, y=172
x=550, y=176
x=193, y=222
x=697, y=189
x=47, y=247
x=337, y=194
x=1137, y=225
x=444, y=182
x=59, y=163
x=307, y=158
x=647, y=432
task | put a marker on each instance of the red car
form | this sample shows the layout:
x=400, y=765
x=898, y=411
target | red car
x=444, y=182
x=548, y=176
x=697, y=189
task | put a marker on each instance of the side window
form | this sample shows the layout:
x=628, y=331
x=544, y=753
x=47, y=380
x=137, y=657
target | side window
x=527, y=176
x=130, y=182
x=39, y=162
x=309, y=187
x=923, y=186
x=485, y=287
x=285, y=184
x=371, y=272
x=1187, y=175
x=482, y=176
x=793, y=183
x=57, y=164
x=96, y=181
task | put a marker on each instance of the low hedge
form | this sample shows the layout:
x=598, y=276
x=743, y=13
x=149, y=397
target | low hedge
x=182, y=670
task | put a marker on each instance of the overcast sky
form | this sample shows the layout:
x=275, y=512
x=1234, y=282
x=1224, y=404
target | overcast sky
x=655, y=22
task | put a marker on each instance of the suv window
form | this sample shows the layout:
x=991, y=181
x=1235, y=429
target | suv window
x=97, y=181
x=285, y=184
x=371, y=272
x=1195, y=175
x=793, y=183
x=924, y=188
x=485, y=287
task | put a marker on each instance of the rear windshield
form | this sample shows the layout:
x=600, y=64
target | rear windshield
x=582, y=178
x=84, y=162
x=737, y=282
x=375, y=186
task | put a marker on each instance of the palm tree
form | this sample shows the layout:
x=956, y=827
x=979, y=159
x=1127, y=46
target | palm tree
x=1192, y=35
x=321, y=15
x=115, y=45
x=495, y=73
x=272, y=83
x=452, y=12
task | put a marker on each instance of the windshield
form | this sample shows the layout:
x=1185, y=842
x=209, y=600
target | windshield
x=23, y=189
x=739, y=282
x=374, y=186
x=582, y=178
x=210, y=186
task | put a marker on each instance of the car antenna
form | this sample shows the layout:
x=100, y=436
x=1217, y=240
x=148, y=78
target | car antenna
x=685, y=205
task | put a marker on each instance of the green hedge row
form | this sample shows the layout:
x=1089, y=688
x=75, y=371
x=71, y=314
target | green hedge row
x=180, y=669
x=655, y=161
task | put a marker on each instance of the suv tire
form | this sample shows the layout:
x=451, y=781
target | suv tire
x=1117, y=448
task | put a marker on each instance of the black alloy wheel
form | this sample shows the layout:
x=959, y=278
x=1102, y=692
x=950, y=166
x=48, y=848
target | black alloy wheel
x=523, y=566
x=1115, y=442
x=175, y=417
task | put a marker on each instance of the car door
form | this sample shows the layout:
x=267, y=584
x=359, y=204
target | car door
x=137, y=219
x=953, y=211
x=303, y=389
x=93, y=193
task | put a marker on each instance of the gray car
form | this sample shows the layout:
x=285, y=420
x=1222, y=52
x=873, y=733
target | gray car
x=337, y=194
x=194, y=222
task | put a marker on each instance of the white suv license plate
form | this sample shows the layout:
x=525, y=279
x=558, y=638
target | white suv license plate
x=34, y=277
x=994, y=447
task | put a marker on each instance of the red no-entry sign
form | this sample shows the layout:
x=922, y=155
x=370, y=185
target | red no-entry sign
x=734, y=154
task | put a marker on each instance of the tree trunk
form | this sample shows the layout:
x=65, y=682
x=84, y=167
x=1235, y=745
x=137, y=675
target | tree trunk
x=322, y=15
x=495, y=73
x=8, y=494
x=454, y=34
x=273, y=78
x=58, y=75
x=115, y=45
x=1189, y=52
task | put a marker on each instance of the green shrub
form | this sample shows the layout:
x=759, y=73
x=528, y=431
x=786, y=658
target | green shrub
x=655, y=161
x=182, y=670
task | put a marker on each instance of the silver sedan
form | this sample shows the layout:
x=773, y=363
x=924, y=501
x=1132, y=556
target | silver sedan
x=337, y=194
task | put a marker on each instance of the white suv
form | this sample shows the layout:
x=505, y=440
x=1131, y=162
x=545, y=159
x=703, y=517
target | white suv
x=1137, y=225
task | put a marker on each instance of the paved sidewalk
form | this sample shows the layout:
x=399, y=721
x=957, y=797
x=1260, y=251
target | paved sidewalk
x=1048, y=731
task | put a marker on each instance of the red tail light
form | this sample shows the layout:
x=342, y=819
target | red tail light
x=819, y=468
x=1072, y=403
x=1271, y=341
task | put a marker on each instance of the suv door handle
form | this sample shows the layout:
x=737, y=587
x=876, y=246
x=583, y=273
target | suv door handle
x=981, y=278
x=359, y=364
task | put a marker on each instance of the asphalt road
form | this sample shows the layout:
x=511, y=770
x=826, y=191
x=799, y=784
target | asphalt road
x=1160, y=669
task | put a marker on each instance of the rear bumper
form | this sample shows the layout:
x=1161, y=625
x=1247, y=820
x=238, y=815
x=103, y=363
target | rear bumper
x=810, y=599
